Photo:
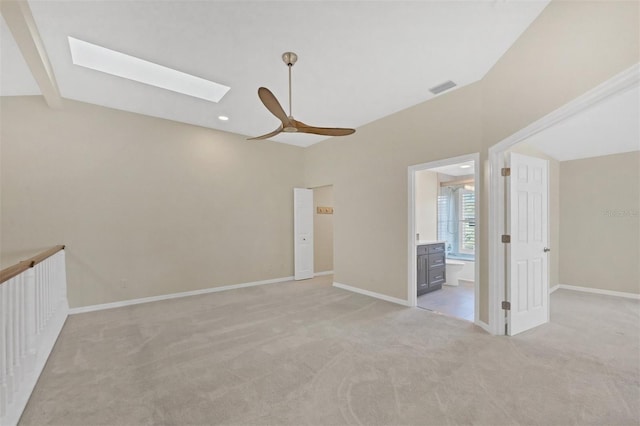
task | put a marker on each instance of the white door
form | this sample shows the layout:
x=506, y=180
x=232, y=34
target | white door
x=303, y=233
x=528, y=280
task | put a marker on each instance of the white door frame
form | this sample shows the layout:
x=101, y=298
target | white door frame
x=411, y=236
x=620, y=82
x=298, y=247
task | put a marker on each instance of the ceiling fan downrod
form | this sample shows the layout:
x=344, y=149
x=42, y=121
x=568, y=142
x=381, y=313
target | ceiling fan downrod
x=290, y=58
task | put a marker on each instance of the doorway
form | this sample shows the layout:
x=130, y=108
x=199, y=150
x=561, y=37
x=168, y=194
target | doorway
x=574, y=115
x=313, y=232
x=443, y=230
x=323, y=230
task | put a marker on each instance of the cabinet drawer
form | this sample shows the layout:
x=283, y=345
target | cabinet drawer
x=423, y=249
x=436, y=276
x=436, y=260
x=436, y=248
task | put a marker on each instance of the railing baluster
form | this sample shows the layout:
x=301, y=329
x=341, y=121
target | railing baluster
x=9, y=341
x=19, y=327
x=4, y=392
x=33, y=309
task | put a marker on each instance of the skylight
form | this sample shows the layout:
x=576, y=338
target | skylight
x=119, y=64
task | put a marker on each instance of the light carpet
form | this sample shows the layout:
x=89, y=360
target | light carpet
x=305, y=353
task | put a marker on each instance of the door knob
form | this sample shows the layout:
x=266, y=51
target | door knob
x=546, y=249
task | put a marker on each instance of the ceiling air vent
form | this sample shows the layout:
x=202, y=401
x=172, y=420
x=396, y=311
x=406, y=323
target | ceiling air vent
x=442, y=87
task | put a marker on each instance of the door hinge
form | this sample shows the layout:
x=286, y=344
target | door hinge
x=505, y=171
x=506, y=239
x=506, y=305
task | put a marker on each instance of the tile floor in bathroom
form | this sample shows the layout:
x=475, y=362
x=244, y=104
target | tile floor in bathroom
x=456, y=301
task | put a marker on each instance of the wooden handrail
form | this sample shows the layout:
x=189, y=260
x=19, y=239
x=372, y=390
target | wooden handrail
x=7, y=273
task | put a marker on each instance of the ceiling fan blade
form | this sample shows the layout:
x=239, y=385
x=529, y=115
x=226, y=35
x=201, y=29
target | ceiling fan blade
x=272, y=104
x=325, y=131
x=268, y=135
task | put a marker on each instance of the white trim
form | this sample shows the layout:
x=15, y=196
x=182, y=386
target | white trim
x=113, y=305
x=371, y=294
x=622, y=81
x=554, y=288
x=483, y=325
x=411, y=228
x=319, y=274
x=599, y=291
x=618, y=83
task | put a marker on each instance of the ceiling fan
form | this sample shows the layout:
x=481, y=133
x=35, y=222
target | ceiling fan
x=289, y=124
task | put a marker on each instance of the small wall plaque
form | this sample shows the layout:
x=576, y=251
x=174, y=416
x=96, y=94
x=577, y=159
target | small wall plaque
x=324, y=210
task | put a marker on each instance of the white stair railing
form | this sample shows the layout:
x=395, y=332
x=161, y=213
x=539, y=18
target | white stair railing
x=33, y=309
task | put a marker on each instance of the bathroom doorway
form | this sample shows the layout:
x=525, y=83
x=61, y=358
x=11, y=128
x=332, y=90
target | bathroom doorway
x=443, y=235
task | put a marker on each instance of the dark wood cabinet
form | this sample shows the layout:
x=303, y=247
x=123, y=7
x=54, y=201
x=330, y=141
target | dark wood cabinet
x=431, y=267
x=423, y=284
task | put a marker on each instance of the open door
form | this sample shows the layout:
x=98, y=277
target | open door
x=527, y=222
x=303, y=233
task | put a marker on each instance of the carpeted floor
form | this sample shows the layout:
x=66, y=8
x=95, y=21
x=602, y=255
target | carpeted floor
x=305, y=353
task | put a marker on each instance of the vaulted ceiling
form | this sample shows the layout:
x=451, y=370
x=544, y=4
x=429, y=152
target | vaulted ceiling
x=612, y=126
x=358, y=61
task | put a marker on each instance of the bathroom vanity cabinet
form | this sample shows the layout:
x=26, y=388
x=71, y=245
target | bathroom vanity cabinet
x=431, y=267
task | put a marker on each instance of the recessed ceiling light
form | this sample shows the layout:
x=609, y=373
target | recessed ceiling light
x=223, y=118
x=119, y=64
x=465, y=166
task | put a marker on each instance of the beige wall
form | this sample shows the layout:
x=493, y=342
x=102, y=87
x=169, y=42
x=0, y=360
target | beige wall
x=369, y=175
x=176, y=191
x=571, y=48
x=427, y=205
x=600, y=222
x=146, y=206
x=554, y=208
x=322, y=230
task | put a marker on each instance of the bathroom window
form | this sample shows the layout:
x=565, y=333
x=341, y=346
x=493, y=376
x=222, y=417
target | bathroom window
x=467, y=233
x=456, y=220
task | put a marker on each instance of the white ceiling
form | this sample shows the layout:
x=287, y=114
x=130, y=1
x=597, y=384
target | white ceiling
x=611, y=126
x=358, y=61
x=455, y=169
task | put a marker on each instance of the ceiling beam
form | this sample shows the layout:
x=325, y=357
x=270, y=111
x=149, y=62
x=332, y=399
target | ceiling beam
x=19, y=19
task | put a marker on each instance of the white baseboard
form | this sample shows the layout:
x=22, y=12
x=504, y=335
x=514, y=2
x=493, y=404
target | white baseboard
x=130, y=302
x=319, y=274
x=599, y=291
x=372, y=294
x=554, y=288
x=483, y=325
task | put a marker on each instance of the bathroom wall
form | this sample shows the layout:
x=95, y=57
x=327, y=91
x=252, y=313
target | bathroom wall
x=427, y=205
